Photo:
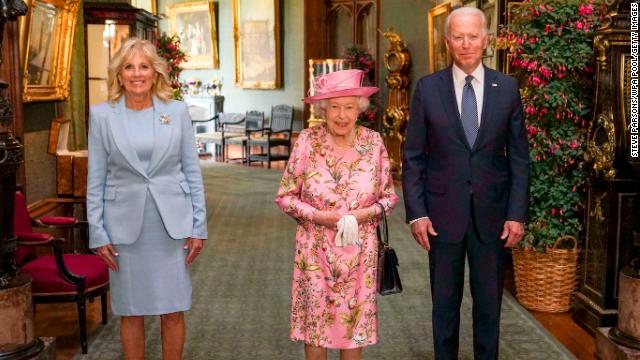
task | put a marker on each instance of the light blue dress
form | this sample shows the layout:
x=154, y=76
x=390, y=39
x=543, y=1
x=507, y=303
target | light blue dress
x=152, y=276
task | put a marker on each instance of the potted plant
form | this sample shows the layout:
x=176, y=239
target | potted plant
x=169, y=49
x=551, y=53
x=361, y=59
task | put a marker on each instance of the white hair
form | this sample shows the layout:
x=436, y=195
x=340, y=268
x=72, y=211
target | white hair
x=320, y=106
x=466, y=10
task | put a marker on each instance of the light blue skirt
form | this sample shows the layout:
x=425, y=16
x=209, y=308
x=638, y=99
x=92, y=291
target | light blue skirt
x=152, y=276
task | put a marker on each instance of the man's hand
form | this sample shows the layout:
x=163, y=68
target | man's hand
x=327, y=218
x=421, y=230
x=512, y=232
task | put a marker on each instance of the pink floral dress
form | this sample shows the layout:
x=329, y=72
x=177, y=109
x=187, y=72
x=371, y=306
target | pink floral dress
x=333, y=295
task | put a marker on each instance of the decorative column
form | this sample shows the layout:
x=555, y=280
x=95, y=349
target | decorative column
x=17, y=339
x=10, y=158
x=611, y=186
x=623, y=340
x=397, y=61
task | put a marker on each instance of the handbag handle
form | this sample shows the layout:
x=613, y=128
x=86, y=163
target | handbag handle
x=383, y=235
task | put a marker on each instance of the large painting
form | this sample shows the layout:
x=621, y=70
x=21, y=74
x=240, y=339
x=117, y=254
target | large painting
x=438, y=54
x=257, y=44
x=195, y=24
x=46, y=36
x=41, y=46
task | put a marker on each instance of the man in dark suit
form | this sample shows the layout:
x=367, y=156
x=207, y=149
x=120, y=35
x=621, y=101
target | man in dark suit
x=465, y=181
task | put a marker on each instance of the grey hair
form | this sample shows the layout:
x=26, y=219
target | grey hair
x=465, y=10
x=320, y=106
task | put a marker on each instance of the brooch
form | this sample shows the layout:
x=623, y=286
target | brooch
x=165, y=119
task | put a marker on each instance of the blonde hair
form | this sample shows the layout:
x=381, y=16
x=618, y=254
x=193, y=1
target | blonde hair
x=132, y=47
x=320, y=106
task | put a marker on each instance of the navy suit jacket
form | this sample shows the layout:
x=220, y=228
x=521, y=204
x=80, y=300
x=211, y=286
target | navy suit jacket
x=440, y=169
x=118, y=184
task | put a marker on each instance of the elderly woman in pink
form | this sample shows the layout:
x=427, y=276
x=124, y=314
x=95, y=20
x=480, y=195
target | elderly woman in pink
x=336, y=179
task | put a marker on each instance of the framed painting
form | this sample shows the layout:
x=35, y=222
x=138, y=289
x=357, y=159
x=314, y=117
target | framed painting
x=46, y=39
x=489, y=57
x=485, y=3
x=149, y=5
x=256, y=27
x=195, y=25
x=512, y=7
x=470, y=3
x=439, y=57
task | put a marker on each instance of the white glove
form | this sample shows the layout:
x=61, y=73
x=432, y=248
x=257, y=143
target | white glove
x=347, y=231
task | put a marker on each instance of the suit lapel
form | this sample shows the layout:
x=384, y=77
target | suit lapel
x=164, y=122
x=119, y=131
x=448, y=97
x=491, y=93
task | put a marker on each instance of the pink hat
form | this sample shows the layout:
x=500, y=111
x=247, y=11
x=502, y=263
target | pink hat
x=338, y=84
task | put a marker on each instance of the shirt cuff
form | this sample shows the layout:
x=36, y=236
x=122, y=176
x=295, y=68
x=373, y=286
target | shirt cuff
x=420, y=218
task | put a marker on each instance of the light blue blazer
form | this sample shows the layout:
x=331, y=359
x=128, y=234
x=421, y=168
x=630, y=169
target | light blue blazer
x=117, y=183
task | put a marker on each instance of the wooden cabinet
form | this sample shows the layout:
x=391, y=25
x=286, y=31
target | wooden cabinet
x=352, y=22
x=332, y=25
x=107, y=26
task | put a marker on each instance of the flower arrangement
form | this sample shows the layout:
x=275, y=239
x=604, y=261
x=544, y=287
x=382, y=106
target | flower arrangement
x=361, y=59
x=169, y=49
x=550, y=43
x=194, y=86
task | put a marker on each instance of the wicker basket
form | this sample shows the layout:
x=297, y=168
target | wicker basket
x=546, y=281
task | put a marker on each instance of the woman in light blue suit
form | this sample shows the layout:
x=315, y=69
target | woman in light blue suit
x=145, y=198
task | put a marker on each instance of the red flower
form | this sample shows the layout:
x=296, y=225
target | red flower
x=585, y=10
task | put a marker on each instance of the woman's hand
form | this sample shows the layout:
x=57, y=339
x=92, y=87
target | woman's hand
x=364, y=215
x=108, y=253
x=194, y=246
x=326, y=218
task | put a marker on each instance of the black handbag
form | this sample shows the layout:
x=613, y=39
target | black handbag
x=388, y=276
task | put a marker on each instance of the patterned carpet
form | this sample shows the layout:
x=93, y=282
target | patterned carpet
x=242, y=281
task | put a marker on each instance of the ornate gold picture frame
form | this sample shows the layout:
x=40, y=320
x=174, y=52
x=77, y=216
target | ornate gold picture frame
x=195, y=24
x=46, y=41
x=439, y=57
x=256, y=30
x=149, y=5
x=512, y=8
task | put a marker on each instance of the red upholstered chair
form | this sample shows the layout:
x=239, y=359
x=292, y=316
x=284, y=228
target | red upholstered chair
x=60, y=277
x=68, y=223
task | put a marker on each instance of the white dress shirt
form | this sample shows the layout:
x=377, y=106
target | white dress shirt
x=458, y=85
x=477, y=83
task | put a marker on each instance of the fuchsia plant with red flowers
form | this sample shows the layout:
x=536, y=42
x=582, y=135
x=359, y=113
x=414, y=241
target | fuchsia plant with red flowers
x=169, y=49
x=550, y=43
x=361, y=59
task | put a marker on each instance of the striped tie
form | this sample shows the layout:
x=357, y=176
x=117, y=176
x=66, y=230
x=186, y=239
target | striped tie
x=469, y=111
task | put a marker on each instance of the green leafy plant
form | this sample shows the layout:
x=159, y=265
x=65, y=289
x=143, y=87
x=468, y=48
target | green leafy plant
x=550, y=46
x=361, y=59
x=168, y=47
